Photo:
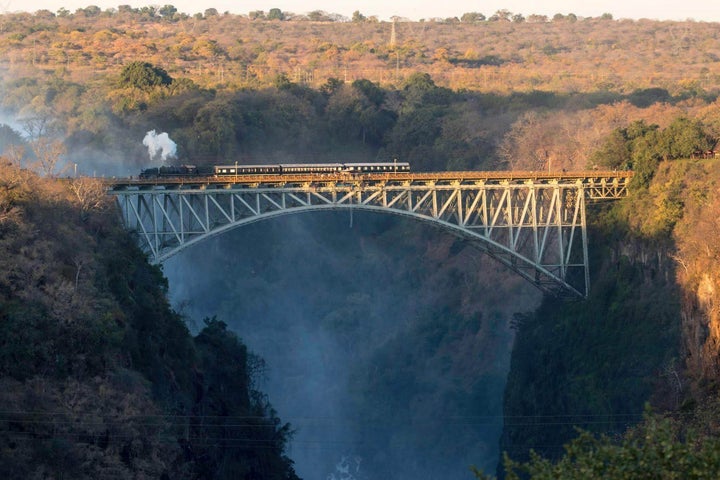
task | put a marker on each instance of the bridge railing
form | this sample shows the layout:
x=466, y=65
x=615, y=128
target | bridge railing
x=610, y=184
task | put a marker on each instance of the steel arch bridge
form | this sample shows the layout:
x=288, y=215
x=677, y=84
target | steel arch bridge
x=535, y=223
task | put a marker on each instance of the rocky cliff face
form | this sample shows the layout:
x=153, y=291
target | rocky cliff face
x=697, y=258
x=701, y=331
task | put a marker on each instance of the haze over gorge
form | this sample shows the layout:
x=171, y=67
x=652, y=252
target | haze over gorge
x=388, y=341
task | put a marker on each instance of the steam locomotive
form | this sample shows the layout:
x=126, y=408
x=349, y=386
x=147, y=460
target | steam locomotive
x=274, y=169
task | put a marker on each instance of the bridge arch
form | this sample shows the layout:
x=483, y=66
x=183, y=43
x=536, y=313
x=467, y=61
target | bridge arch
x=538, y=275
x=536, y=225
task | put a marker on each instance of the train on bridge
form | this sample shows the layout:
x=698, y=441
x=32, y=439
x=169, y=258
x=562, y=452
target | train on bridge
x=274, y=169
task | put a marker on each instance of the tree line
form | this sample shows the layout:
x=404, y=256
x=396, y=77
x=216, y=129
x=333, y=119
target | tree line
x=430, y=126
x=498, y=54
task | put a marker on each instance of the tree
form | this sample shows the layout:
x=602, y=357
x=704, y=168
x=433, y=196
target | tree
x=684, y=138
x=144, y=75
x=46, y=148
x=355, y=112
x=282, y=82
x=215, y=132
x=332, y=85
x=90, y=11
x=501, y=15
x=535, y=18
x=317, y=16
x=230, y=412
x=89, y=194
x=167, y=11
x=126, y=9
x=371, y=90
x=275, y=14
x=472, y=17
x=48, y=152
x=657, y=448
x=529, y=143
x=613, y=153
x=358, y=17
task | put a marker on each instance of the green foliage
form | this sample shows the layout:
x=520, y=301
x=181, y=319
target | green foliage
x=275, y=14
x=331, y=86
x=614, y=152
x=683, y=138
x=354, y=115
x=594, y=364
x=99, y=371
x=167, y=11
x=640, y=147
x=216, y=130
x=229, y=417
x=282, y=82
x=657, y=448
x=639, y=151
x=619, y=348
x=143, y=76
x=472, y=17
x=358, y=17
x=371, y=90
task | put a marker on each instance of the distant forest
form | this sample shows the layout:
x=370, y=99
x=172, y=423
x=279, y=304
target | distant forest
x=475, y=92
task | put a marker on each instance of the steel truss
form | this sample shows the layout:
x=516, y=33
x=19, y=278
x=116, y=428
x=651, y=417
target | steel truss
x=535, y=227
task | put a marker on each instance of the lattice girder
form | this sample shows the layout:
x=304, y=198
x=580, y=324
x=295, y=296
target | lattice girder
x=537, y=228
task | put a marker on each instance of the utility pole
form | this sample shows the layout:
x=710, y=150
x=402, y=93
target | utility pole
x=392, y=33
x=393, y=41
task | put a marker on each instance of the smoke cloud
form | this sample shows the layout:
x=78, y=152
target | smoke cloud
x=159, y=146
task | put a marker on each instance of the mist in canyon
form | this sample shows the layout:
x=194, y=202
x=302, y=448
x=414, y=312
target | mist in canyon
x=385, y=342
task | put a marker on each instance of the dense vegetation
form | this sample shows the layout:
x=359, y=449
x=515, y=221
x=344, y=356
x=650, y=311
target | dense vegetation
x=100, y=377
x=473, y=93
x=660, y=447
x=593, y=365
x=85, y=322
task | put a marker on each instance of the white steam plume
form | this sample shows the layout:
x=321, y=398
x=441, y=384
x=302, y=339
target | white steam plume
x=159, y=145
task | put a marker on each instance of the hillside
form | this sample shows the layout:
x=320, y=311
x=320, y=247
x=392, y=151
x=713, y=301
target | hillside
x=100, y=378
x=646, y=335
x=535, y=94
x=562, y=55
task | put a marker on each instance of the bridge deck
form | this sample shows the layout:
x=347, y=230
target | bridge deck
x=591, y=177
